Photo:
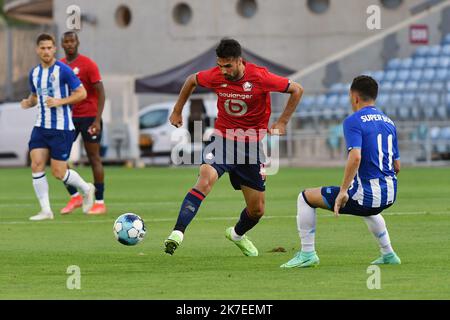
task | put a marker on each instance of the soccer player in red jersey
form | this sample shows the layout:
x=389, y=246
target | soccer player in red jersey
x=243, y=91
x=87, y=118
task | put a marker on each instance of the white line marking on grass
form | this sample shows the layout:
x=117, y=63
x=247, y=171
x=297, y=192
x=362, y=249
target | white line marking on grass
x=218, y=218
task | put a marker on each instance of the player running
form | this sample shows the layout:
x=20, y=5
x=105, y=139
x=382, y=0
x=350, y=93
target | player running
x=243, y=91
x=54, y=87
x=370, y=182
x=87, y=118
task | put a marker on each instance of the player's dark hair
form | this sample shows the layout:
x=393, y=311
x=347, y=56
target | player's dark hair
x=366, y=86
x=45, y=37
x=68, y=34
x=228, y=48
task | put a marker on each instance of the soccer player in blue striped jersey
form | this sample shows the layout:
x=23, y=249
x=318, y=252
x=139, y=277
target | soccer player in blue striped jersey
x=54, y=88
x=369, y=185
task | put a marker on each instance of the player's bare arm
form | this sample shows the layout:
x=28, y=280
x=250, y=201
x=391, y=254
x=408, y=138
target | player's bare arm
x=95, y=127
x=397, y=166
x=29, y=102
x=176, y=118
x=351, y=168
x=296, y=91
x=77, y=96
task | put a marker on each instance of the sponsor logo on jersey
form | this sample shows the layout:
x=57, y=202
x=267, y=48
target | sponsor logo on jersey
x=76, y=70
x=235, y=95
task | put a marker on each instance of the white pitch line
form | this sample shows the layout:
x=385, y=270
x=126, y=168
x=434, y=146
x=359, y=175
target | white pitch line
x=221, y=218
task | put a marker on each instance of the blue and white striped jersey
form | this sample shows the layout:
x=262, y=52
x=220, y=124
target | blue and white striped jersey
x=56, y=81
x=375, y=184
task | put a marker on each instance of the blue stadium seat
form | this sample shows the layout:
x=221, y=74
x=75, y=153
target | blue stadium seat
x=435, y=133
x=382, y=99
x=412, y=85
x=344, y=101
x=395, y=101
x=409, y=98
x=447, y=39
x=403, y=75
x=307, y=101
x=340, y=87
x=399, y=86
x=390, y=75
x=424, y=85
x=432, y=62
x=441, y=112
x=332, y=100
x=444, y=138
x=434, y=51
x=433, y=99
x=444, y=62
x=445, y=50
x=445, y=133
x=378, y=75
x=416, y=74
x=406, y=63
x=422, y=51
x=394, y=64
x=321, y=100
x=386, y=86
x=418, y=63
x=442, y=74
x=438, y=85
x=428, y=74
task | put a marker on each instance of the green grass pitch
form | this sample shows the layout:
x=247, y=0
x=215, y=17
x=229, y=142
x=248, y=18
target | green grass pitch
x=34, y=256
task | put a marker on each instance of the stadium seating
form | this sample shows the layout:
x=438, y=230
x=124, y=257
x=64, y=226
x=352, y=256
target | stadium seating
x=412, y=88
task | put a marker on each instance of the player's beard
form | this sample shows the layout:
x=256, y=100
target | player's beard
x=230, y=77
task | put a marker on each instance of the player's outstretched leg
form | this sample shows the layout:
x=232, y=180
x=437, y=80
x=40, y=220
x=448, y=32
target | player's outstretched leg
x=72, y=178
x=249, y=218
x=40, y=186
x=38, y=161
x=188, y=210
x=76, y=200
x=377, y=226
x=93, y=152
x=191, y=203
x=306, y=225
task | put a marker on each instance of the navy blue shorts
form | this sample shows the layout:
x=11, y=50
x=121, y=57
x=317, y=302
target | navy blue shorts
x=329, y=195
x=59, y=142
x=243, y=163
x=82, y=125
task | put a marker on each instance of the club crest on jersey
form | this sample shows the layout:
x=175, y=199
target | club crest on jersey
x=76, y=70
x=52, y=78
x=247, y=86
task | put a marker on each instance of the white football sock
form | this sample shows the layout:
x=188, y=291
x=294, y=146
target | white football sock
x=73, y=179
x=377, y=226
x=235, y=236
x=306, y=224
x=40, y=186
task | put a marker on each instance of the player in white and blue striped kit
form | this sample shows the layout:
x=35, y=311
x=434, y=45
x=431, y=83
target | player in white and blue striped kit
x=54, y=88
x=370, y=178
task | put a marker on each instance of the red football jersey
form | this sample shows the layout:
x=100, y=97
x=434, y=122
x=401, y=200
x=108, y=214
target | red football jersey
x=243, y=104
x=87, y=71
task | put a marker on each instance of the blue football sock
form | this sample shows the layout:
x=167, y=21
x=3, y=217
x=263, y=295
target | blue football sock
x=188, y=209
x=72, y=190
x=245, y=223
x=99, y=190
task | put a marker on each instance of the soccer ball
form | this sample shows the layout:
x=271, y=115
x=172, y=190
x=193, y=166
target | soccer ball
x=129, y=229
